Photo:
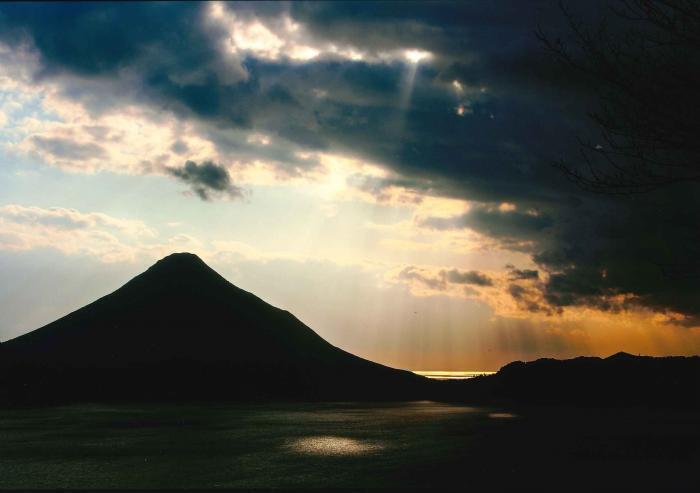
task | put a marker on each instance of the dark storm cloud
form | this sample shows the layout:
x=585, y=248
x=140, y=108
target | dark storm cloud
x=206, y=179
x=524, y=113
x=647, y=249
x=178, y=63
x=97, y=39
x=494, y=222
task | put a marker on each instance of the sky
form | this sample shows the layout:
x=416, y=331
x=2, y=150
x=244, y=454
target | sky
x=381, y=170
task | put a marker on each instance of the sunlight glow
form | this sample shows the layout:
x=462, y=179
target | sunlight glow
x=452, y=375
x=417, y=56
x=287, y=39
x=332, y=445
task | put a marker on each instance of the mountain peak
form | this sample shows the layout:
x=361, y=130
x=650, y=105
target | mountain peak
x=621, y=355
x=182, y=330
x=180, y=258
x=179, y=269
x=180, y=261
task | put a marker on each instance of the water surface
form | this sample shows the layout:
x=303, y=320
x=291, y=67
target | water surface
x=342, y=444
x=452, y=375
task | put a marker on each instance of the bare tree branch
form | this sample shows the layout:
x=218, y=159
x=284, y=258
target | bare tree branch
x=644, y=64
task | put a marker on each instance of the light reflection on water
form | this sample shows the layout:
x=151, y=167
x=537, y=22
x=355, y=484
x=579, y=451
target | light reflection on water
x=452, y=375
x=334, y=422
x=334, y=445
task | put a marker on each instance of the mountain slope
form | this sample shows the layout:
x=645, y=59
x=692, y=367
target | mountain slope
x=181, y=331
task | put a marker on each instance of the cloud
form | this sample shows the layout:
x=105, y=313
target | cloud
x=387, y=190
x=412, y=273
x=522, y=274
x=444, y=280
x=71, y=219
x=72, y=232
x=125, y=140
x=471, y=277
x=529, y=298
x=338, y=102
x=81, y=38
x=494, y=221
x=114, y=239
x=628, y=256
x=333, y=78
x=64, y=148
x=207, y=179
x=511, y=229
x=279, y=37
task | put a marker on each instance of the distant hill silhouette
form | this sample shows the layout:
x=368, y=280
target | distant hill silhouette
x=621, y=379
x=181, y=331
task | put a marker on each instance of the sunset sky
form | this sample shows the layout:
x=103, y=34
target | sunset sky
x=381, y=170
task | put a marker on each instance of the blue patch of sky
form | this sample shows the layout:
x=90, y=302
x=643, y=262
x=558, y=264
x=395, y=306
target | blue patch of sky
x=17, y=106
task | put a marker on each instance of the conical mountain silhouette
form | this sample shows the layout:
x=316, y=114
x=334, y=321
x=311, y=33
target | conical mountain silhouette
x=180, y=331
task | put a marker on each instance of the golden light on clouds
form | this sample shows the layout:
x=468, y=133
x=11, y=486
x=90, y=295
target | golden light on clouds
x=285, y=38
x=417, y=56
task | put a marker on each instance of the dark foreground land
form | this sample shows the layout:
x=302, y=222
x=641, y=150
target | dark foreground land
x=348, y=444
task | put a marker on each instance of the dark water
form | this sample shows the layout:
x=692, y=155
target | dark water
x=345, y=444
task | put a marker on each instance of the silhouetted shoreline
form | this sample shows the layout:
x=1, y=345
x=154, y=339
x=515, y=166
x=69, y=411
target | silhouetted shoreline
x=619, y=380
